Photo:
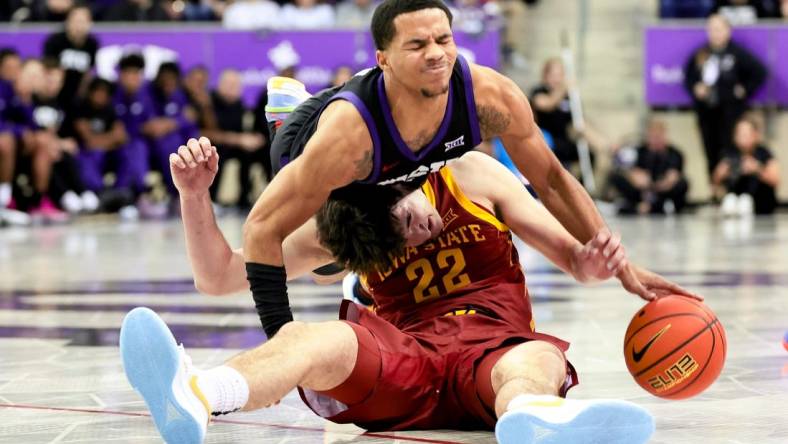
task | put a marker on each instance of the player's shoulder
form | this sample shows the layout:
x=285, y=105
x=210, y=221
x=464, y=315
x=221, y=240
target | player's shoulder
x=489, y=83
x=476, y=174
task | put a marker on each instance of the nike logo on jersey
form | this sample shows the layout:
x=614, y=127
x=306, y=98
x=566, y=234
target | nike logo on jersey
x=638, y=355
x=389, y=166
x=460, y=141
x=419, y=172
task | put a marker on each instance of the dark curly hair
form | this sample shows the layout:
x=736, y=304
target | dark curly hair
x=358, y=228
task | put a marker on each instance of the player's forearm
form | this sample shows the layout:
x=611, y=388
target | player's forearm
x=209, y=254
x=569, y=202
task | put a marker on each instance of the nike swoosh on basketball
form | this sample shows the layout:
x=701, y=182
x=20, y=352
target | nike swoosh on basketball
x=638, y=355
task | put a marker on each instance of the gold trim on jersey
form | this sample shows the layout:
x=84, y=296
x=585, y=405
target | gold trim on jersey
x=467, y=204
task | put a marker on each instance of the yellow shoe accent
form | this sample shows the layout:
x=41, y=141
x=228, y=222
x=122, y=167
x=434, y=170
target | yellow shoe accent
x=200, y=395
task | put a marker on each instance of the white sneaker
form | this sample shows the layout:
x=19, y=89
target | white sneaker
x=550, y=419
x=129, y=213
x=90, y=202
x=71, y=202
x=14, y=217
x=161, y=372
x=745, y=206
x=729, y=205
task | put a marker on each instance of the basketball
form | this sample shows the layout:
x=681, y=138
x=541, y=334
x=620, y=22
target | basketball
x=675, y=347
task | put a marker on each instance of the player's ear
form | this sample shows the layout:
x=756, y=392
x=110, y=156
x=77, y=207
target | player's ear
x=381, y=59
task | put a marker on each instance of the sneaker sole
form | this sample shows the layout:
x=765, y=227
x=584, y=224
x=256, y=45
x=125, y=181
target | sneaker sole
x=151, y=360
x=607, y=422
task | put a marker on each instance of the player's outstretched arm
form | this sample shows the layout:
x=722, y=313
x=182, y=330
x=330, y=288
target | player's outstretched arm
x=504, y=111
x=485, y=180
x=338, y=153
x=218, y=269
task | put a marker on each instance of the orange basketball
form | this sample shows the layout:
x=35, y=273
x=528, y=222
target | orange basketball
x=675, y=347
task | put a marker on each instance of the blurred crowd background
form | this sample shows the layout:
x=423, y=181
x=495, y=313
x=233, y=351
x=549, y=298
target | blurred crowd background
x=85, y=134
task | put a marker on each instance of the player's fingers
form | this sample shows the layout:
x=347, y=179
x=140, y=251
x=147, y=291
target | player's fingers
x=205, y=146
x=612, y=245
x=633, y=285
x=176, y=161
x=620, y=266
x=196, y=150
x=615, y=261
x=186, y=154
x=601, y=238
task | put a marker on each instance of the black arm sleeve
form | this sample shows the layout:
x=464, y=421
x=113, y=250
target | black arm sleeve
x=269, y=290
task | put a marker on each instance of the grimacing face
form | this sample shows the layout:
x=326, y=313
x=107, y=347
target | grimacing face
x=422, y=54
x=417, y=219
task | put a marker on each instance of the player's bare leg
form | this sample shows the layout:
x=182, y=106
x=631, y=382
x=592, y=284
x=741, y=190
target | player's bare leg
x=316, y=356
x=527, y=381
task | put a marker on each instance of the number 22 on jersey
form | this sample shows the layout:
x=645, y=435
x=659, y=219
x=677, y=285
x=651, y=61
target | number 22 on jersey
x=422, y=270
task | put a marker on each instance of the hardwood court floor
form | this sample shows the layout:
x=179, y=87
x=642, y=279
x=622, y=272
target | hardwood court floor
x=65, y=290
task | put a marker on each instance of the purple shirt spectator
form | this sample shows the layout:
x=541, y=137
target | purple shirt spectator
x=134, y=110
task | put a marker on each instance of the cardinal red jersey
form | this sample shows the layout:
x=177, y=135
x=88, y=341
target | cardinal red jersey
x=472, y=265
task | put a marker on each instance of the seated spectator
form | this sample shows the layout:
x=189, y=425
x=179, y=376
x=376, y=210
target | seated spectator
x=355, y=14
x=251, y=14
x=10, y=65
x=552, y=111
x=748, y=176
x=234, y=142
x=476, y=16
x=65, y=185
x=195, y=85
x=655, y=182
x=104, y=147
x=36, y=158
x=306, y=14
x=137, y=11
x=169, y=105
x=784, y=8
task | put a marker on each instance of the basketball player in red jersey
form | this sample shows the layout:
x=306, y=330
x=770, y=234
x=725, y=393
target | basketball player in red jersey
x=451, y=343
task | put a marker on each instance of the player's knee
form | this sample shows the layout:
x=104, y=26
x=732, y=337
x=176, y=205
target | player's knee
x=293, y=330
x=534, y=359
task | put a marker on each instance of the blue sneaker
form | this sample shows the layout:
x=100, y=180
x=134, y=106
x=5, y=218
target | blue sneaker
x=161, y=372
x=548, y=419
x=284, y=95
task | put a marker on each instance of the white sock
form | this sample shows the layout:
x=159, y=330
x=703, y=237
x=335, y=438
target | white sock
x=225, y=389
x=5, y=194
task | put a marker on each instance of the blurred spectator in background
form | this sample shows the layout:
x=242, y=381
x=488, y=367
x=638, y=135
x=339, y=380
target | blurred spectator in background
x=251, y=15
x=66, y=185
x=137, y=11
x=169, y=107
x=721, y=76
x=203, y=10
x=550, y=101
x=104, y=147
x=134, y=107
x=195, y=85
x=476, y=16
x=37, y=156
x=747, y=12
x=10, y=64
x=234, y=141
x=652, y=180
x=49, y=10
x=685, y=8
x=75, y=49
x=748, y=175
x=784, y=8
x=341, y=75
x=355, y=14
x=306, y=14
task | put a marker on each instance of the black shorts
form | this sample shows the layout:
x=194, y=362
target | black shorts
x=290, y=139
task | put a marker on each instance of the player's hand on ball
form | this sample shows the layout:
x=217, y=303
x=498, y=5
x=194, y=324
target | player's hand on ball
x=194, y=166
x=600, y=258
x=649, y=285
